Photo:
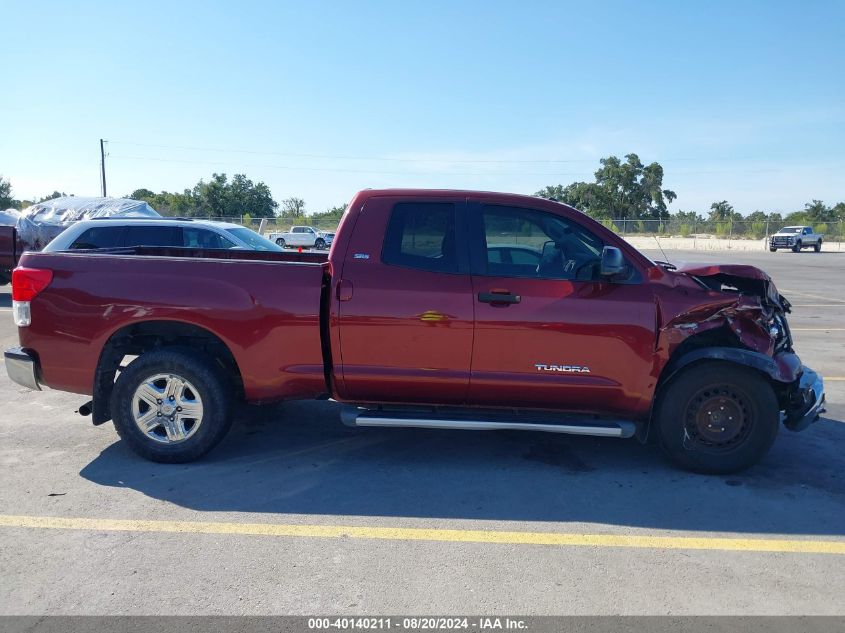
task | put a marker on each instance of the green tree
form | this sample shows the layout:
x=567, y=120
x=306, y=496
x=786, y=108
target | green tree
x=724, y=212
x=293, y=208
x=622, y=190
x=332, y=213
x=6, y=200
x=53, y=196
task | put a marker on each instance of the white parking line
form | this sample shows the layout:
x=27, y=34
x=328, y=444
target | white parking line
x=807, y=294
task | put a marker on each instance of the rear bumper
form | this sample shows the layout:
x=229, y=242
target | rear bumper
x=809, y=400
x=22, y=368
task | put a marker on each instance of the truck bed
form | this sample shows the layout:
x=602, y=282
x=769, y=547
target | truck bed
x=264, y=306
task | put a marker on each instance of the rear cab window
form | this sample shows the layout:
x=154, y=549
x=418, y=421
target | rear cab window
x=421, y=235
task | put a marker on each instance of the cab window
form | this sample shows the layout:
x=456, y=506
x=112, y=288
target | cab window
x=422, y=235
x=541, y=245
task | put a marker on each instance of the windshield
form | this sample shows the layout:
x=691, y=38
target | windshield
x=791, y=229
x=254, y=240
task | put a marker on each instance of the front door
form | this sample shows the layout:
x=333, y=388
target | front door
x=549, y=331
x=405, y=304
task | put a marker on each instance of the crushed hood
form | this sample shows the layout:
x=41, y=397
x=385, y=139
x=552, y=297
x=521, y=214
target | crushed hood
x=744, y=279
x=748, y=304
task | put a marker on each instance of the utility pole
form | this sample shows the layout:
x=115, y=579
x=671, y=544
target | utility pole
x=103, y=166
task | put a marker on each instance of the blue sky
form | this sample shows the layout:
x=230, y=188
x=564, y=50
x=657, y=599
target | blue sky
x=743, y=101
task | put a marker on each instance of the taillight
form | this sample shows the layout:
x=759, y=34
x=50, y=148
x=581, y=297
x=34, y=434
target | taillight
x=26, y=284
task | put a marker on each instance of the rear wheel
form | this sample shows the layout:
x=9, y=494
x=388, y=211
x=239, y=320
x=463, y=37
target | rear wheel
x=818, y=246
x=171, y=405
x=717, y=418
x=320, y=244
x=280, y=241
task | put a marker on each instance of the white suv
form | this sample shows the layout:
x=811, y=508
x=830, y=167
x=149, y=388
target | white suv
x=120, y=232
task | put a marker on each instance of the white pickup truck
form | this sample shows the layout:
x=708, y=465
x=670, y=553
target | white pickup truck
x=796, y=238
x=304, y=236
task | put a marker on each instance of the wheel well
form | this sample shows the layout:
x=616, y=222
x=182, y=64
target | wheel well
x=723, y=338
x=718, y=337
x=135, y=339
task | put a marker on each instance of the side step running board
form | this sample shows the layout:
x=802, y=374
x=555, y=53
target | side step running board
x=595, y=427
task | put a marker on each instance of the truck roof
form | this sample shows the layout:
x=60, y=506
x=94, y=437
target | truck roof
x=516, y=198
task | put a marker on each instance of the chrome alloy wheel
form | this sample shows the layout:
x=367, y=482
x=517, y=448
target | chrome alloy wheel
x=167, y=408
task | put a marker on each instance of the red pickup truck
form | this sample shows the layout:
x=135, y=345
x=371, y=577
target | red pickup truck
x=435, y=309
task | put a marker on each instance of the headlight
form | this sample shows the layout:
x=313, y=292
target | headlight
x=776, y=328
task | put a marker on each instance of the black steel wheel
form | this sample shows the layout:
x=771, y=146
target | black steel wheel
x=717, y=418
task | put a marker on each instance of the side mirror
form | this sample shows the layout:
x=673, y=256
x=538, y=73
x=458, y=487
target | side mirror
x=612, y=262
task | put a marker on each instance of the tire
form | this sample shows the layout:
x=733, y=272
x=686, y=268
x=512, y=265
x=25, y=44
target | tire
x=818, y=246
x=797, y=247
x=280, y=241
x=772, y=250
x=703, y=397
x=320, y=244
x=204, y=383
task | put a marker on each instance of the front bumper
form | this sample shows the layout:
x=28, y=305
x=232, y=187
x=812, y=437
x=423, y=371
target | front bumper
x=22, y=368
x=809, y=401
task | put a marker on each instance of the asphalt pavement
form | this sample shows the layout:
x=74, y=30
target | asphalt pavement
x=296, y=514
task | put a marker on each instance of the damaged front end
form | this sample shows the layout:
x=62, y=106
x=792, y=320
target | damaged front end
x=744, y=320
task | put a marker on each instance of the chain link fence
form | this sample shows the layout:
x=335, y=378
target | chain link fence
x=278, y=223
x=747, y=230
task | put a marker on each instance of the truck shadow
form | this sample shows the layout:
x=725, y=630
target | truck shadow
x=298, y=458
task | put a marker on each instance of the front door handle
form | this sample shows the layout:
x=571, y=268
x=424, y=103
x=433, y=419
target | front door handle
x=498, y=296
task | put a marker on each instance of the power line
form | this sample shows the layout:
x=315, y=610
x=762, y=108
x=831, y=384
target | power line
x=398, y=159
x=416, y=173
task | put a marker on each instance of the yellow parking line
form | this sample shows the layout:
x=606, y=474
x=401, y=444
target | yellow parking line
x=433, y=534
x=818, y=305
x=830, y=378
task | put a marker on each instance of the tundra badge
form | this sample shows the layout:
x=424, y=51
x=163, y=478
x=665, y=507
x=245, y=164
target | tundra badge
x=569, y=369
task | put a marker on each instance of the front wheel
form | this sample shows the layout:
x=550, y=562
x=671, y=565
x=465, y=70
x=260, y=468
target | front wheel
x=320, y=244
x=772, y=250
x=818, y=246
x=280, y=241
x=171, y=405
x=717, y=418
x=797, y=247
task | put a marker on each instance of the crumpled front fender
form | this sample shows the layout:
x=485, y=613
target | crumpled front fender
x=783, y=368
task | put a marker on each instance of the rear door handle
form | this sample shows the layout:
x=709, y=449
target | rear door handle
x=498, y=296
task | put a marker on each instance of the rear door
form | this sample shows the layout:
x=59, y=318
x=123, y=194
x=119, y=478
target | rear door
x=549, y=331
x=405, y=303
